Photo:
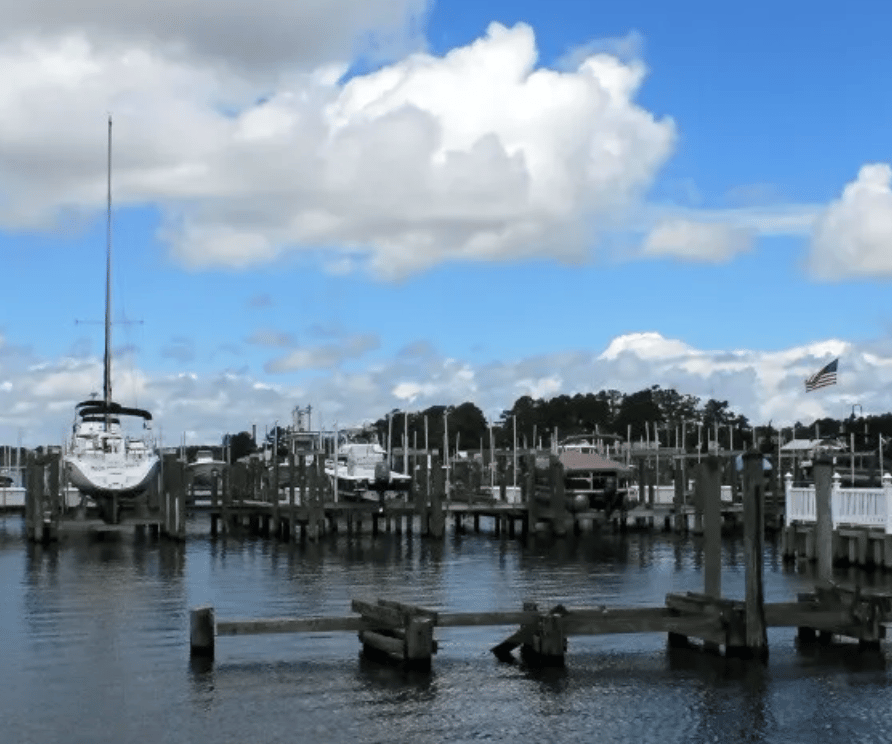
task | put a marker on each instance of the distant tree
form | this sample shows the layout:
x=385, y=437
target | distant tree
x=467, y=426
x=675, y=406
x=637, y=411
x=278, y=436
x=240, y=445
x=592, y=412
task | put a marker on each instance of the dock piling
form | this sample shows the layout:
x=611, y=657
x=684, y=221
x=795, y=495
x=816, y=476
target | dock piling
x=753, y=537
x=201, y=632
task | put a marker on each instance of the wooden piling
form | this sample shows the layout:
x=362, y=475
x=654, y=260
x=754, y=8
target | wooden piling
x=302, y=479
x=437, y=522
x=502, y=475
x=397, y=632
x=292, y=506
x=823, y=473
x=315, y=513
x=753, y=526
x=558, y=498
x=34, y=493
x=419, y=641
x=201, y=632
x=709, y=476
x=422, y=493
x=543, y=642
x=678, y=501
x=698, y=498
x=532, y=499
x=180, y=524
x=214, y=499
x=274, y=488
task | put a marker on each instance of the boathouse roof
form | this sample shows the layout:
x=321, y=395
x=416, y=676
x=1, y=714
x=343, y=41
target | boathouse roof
x=576, y=460
x=807, y=445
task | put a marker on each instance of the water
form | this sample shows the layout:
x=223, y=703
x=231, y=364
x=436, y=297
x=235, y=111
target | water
x=95, y=646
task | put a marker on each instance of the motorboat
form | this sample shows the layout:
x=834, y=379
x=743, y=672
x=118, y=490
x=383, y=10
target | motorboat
x=359, y=471
x=205, y=467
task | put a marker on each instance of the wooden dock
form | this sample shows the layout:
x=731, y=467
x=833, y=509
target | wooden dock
x=404, y=634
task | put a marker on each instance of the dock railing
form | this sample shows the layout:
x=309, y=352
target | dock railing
x=860, y=507
x=665, y=495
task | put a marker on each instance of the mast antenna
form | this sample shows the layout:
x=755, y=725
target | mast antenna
x=107, y=386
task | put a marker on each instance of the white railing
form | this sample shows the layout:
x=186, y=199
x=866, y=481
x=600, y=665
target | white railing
x=800, y=504
x=665, y=495
x=13, y=497
x=860, y=507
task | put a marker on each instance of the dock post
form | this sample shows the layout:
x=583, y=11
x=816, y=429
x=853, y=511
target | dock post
x=698, y=498
x=166, y=491
x=315, y=498
x=678, y=497
x=502, y=472
x=711, y=493
x=821, y=537
x=273, y=528
x=31, y=506
x=642, y=484
x=214, y=515
x=226, y=500
x=292, y=510
x=201, y=632
x=302, y=480
x=181, y=503
x=437, y=517
x=651, y=474
x=824, y=520
x=532, y=503
x=709, y=481
x=423, y=497
x=548, y=644
x=753, y=526
x=419, y=642
x=161, y=490
x=57, y=500
x=558, y=498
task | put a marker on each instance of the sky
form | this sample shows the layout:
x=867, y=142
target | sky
x=370, y=205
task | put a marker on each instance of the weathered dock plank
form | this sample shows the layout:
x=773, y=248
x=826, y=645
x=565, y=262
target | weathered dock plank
x=251, y=626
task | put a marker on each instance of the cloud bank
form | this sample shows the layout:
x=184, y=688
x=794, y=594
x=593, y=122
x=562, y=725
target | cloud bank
x=479, y=154
x=35, y=396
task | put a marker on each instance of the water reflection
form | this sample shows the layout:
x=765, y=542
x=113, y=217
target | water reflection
x=732, y=700
x=96, y=638
x=400, y=684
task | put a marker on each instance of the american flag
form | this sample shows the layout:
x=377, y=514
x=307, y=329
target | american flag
x=826, y=376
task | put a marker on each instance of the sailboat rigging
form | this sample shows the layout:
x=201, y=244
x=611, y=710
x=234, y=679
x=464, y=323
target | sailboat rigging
x=103, y=460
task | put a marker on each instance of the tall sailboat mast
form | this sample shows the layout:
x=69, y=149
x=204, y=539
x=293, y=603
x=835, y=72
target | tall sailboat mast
x=107, y=385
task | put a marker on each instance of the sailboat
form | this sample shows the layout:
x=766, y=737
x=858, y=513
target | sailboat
x=105, y=459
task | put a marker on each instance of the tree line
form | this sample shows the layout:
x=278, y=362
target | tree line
x=654, y=413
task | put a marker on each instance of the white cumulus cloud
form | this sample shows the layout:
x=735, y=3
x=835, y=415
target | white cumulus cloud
x=853, y=237
x=261, y=35
x=479, y=154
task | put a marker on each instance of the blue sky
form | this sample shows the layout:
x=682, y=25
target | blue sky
x=395, y=204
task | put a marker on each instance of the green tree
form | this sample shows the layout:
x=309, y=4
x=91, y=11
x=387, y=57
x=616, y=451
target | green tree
x=240, y=445
x=637, y=411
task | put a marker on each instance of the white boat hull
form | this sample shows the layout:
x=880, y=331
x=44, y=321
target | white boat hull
x=367, y=485
x=99, y=477
x=203, y=471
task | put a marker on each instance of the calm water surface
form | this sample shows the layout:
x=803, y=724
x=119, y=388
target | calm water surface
x=95, y=646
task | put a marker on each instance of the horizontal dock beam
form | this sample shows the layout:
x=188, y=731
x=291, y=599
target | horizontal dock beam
x=691, y=615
